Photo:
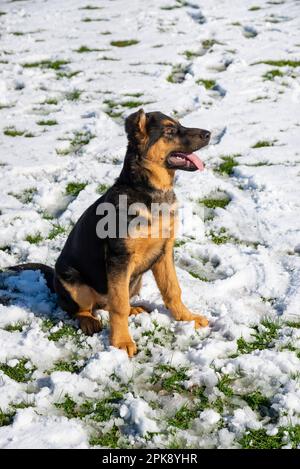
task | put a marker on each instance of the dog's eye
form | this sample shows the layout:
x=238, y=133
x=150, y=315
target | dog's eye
x=171, y=131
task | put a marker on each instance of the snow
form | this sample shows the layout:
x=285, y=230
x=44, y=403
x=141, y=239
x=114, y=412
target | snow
x=253, y=276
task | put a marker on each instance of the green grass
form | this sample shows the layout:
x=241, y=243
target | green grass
x=15, y=327
x=254, y=8
x=65, y=74
x=13, y=132
x=271, y=74
x=293, y=324
x=51, y=101
x=255, y=400
x=81, y=138
x=26, y=196
x=198, y=276
x=208, y=84
x=228, y=165
x=109, y=439
x=177, y=74
x=209, y=43
x=73, y=95
x=68, y=406
x=179, y=242
x=90, y=7
x=83, y=49
x=124, y=43
x=65, y=331
x=74, y=188
x=101, y=188
x=6, y=418
x=183, y=417
x=89, y=20
x=34, y=239
x=134, y=95
x=262, y=338
x=47, y=122
x=2, y=13
x=259, y=439
x=189, y=54
x=132, y=104
x=169, y=378
x=215, y=202
x=70, y=366
x=280, y=63
x=47, y=64
x=220, y=238
x=56, y=231
x=263, y=143
x=19, y=372
x=224, y=386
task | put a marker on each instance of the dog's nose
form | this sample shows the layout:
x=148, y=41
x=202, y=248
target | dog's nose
x=205, y=135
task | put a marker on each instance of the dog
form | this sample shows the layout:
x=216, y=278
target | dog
x=106, y=272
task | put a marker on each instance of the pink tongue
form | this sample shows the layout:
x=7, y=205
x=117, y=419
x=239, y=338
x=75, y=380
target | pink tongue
x=195, y=160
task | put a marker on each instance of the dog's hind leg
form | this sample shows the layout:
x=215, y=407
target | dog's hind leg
x=79, y=300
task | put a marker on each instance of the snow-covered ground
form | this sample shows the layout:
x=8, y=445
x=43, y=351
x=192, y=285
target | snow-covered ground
x=65, y=87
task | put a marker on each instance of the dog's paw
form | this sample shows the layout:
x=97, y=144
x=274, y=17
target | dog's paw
x=200, y=321
x=126, y=344
x=134, y=310
x=89, y=325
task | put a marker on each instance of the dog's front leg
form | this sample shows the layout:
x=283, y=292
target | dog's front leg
x=119, y=310
x=165, y=276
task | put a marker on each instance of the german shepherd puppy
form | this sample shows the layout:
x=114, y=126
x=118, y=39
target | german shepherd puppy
x=106, y=272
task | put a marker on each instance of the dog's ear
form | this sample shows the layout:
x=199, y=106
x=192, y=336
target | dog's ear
x=136, y=124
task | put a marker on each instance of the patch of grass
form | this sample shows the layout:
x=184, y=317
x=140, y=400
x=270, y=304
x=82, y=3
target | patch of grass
x=271, y=74
x=2, y=13
x=89, y=20
x=112, y=59
x=105, y=33
x=215, y=202
x=220, y=238
x=19, y=372
x=34, y=239
x=208, y=84
x=102, y=188
x=47, y=122
x=280, y=63
x=124, y=43
x=177, y=74
x=68, y=406
x=209, y=43
x=263, y=143
x=189, y=54
x=262, y=337
x=170, y=378
x=47, y=64
x=228, y=165
x=255, y=400
x=254, y=8
x=109, y=439
x=13, y=132
x=183, y=417
x=199, y=277
x=73, y=95
x=134, y=95
x=80, y=139
x=90, y=7
x=83, y=49
x=74, y=188
x=56, y=231
x=259, y=439
x=65, y=74
x=224, y=385
x=293, y=324
x=26, y=196
x=51, y=101
x=6, y=418
x=179, y=242
x=70, y=366
x=65, y=331
x=15, y=327
x=133, y=104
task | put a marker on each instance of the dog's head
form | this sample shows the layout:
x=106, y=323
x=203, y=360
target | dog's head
x=162, y=141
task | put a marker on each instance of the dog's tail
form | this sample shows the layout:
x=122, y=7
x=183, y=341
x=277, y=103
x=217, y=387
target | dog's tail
x=47, y=271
